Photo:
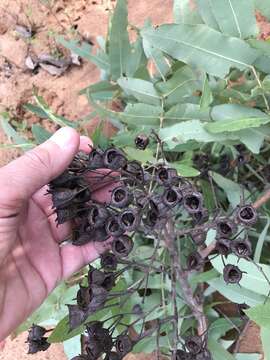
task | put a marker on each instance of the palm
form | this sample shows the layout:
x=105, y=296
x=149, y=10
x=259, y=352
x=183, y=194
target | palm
x=36, y=263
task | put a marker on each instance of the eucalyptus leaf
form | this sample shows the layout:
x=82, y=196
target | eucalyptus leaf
x=203, y=47
x=40, y=134
x=206, y=12
x=119, y=46
x=184, y=11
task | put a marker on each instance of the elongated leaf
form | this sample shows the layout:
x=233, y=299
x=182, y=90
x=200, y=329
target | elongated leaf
x=60, y=120
x=182, y=84
x=236, y=294
x=207, y=96
x=186, y=111
x=220, y=327
x=265, y=335
x=201, y=46
x=232, y=189
x=36, y=110
x=206, y=12
x=263, y=7
x=235, y=111
x=218, y=352
x=142, y=90
x=119, y=47
x=141, y=114
x=260, y=241
x=185, y=170
x=184, y=11
x=162, y=65
x=236, y=124
x=188, y=130
x=11, y=132
x=40, y=133
x=260, y=314
x=229, y=16
x=84, y=50
x=136, y=59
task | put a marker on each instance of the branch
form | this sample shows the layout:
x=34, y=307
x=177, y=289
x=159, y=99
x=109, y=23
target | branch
x=262, y=200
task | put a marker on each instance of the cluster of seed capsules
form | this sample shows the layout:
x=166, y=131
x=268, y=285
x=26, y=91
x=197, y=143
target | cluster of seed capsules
x=142, y=200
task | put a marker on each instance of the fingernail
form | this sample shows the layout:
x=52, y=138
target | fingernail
x=63, y=137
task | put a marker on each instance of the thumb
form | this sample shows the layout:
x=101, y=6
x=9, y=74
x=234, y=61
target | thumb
x=21, y=178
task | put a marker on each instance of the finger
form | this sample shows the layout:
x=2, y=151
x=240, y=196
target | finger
x=20, y=179
x=41, y=197
x=75, y=257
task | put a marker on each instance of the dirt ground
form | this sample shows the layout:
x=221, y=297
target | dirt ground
x=90, y=19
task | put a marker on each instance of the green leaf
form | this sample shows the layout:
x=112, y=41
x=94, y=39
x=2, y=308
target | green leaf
x=136, y=59
x=220, y=327
x=142, y=90
x=185, y=170
x=182, y=84
x=84, y=50
x=207, y=96
x=102, y=90
x=230, y=19
x=119, y=46
x=142, y=156
x=217, y=351
x=204, y=277
x=265, y=336
x=235, y=111
x=188, y=130
x=36, y=110
x=233, y=190
x=59, y=120
x=185, y=12
x=260, y=314
x=40, y=134
x=161, y=63
x=52, y=309
x=11, y=132
x=186, y=111
x=141, y=114
x=236, y=124
x=206, y=12
x=235, y=293
x=263, y=7
x=261, y=240
x=201, y=46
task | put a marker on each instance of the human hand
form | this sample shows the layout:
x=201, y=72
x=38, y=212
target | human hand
x=32, y=262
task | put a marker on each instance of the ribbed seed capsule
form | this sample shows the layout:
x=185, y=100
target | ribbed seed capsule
x=113, y=227
x=194, y=344
x=123, y=345
x=242, y=248
x=129, y=219
x=232, y=274
x=194, y=261
x=122, y=246
x=108, y=261
x=141, y=141
x=247, y=215
x=226, y=227
x=193, y=202
x=114, y=159
x=224, y=246
x=95, y=160
x=121, y=197
x=172, y=197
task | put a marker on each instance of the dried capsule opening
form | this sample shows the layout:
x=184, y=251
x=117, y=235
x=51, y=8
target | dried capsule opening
x=119, y=195
x=192, y=202
x=113, y=226
x=171, y=196
x=247, y=213
x=163, y=174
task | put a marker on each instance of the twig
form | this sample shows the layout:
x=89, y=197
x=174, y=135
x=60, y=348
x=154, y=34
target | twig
x=262, y=200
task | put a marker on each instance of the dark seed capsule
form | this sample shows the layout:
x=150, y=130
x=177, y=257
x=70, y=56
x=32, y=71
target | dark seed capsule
x=141, y=141
x=165, y=175
x=121, y=197
x=114, y=159
x=198, y=236
x=226, y=227
x=129, y=219
x=63, y=198
x=108, y=261
x=39, y=345
x=193, y=202
x=109, y=281
x=122, y=246
x=76, y=316
x=183, y=355
x=82, y=196
x=113, y=227
x=241, y=310
x=97, y=215
x=123, y=345
x=200, y=217
x=95, y=160
x=36, y=332
x=98, y=297
x=151, y=218
x=232, y=274
x=66, y=180
x=66, y=214
x=172, y=197
x=194, y=344
x=194, y=261
x=224, y=246
x=93, y=327
x=204, y=355
x=95, y=276
x=83, y=298
x=242, y=248
x=247, y=215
